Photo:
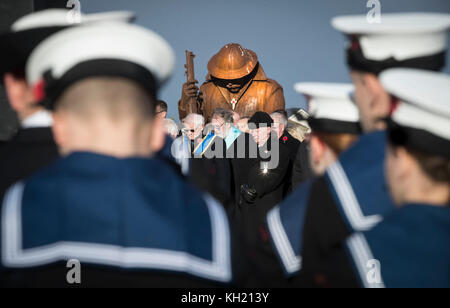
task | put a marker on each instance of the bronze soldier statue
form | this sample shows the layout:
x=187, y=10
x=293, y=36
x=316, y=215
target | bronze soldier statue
x=235, y=81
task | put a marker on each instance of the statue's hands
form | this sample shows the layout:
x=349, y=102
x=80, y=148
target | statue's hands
x=190, y=90
x=191, y=99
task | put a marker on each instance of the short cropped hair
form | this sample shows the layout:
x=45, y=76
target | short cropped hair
x=162, y=105
x=435, y=166
x=113, y=97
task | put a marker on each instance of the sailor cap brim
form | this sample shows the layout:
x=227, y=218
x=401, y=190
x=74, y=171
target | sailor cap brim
x=421, y=114
x=330, y=107
x=25, y=34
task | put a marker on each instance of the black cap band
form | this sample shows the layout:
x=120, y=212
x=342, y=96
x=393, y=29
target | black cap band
x=97, y=68
x=418, y=139
x=334, y=126
x=357, y=61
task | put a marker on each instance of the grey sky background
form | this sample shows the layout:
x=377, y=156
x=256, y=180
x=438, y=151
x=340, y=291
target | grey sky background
x=293, y=38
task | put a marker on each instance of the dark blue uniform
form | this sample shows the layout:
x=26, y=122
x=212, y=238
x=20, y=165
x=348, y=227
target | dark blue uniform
x=352, y=196
x=130, y=222
x=410, y=249
x=358, y=185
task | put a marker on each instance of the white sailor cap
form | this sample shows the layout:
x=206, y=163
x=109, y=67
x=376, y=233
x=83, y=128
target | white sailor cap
x=421, y=109
x=412, y=40
x=27, y=32
x=98, y=49
x=330, y=107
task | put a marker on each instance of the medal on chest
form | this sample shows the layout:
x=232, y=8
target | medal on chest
x=233, y=103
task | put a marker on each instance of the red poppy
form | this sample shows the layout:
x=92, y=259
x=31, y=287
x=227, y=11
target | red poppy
x=355, y=43
x=39, y=90
x=285, y=138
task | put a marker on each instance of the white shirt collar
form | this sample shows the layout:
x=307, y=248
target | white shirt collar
x=39, y=119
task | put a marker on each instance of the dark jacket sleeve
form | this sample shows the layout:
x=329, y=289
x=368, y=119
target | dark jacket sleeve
x=302, y=171
x=212, y=173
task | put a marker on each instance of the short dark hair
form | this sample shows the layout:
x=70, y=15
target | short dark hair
x=18, y=73
x=261, y=119
x=435, y=166
x=162, y=105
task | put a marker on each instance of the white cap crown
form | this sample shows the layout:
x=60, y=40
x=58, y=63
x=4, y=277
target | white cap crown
x=329, y=101
x=424, y=99
x=61, y=18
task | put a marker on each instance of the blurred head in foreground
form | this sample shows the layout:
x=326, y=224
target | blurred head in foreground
x=333, y=119
x=18, y=42
x=417, y=164
x=102, y=97
x=401, y=40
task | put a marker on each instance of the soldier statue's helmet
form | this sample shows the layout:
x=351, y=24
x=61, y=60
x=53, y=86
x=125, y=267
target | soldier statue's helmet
x=232, y=62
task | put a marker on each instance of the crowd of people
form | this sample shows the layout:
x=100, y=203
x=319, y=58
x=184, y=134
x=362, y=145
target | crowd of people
x=241, y=192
